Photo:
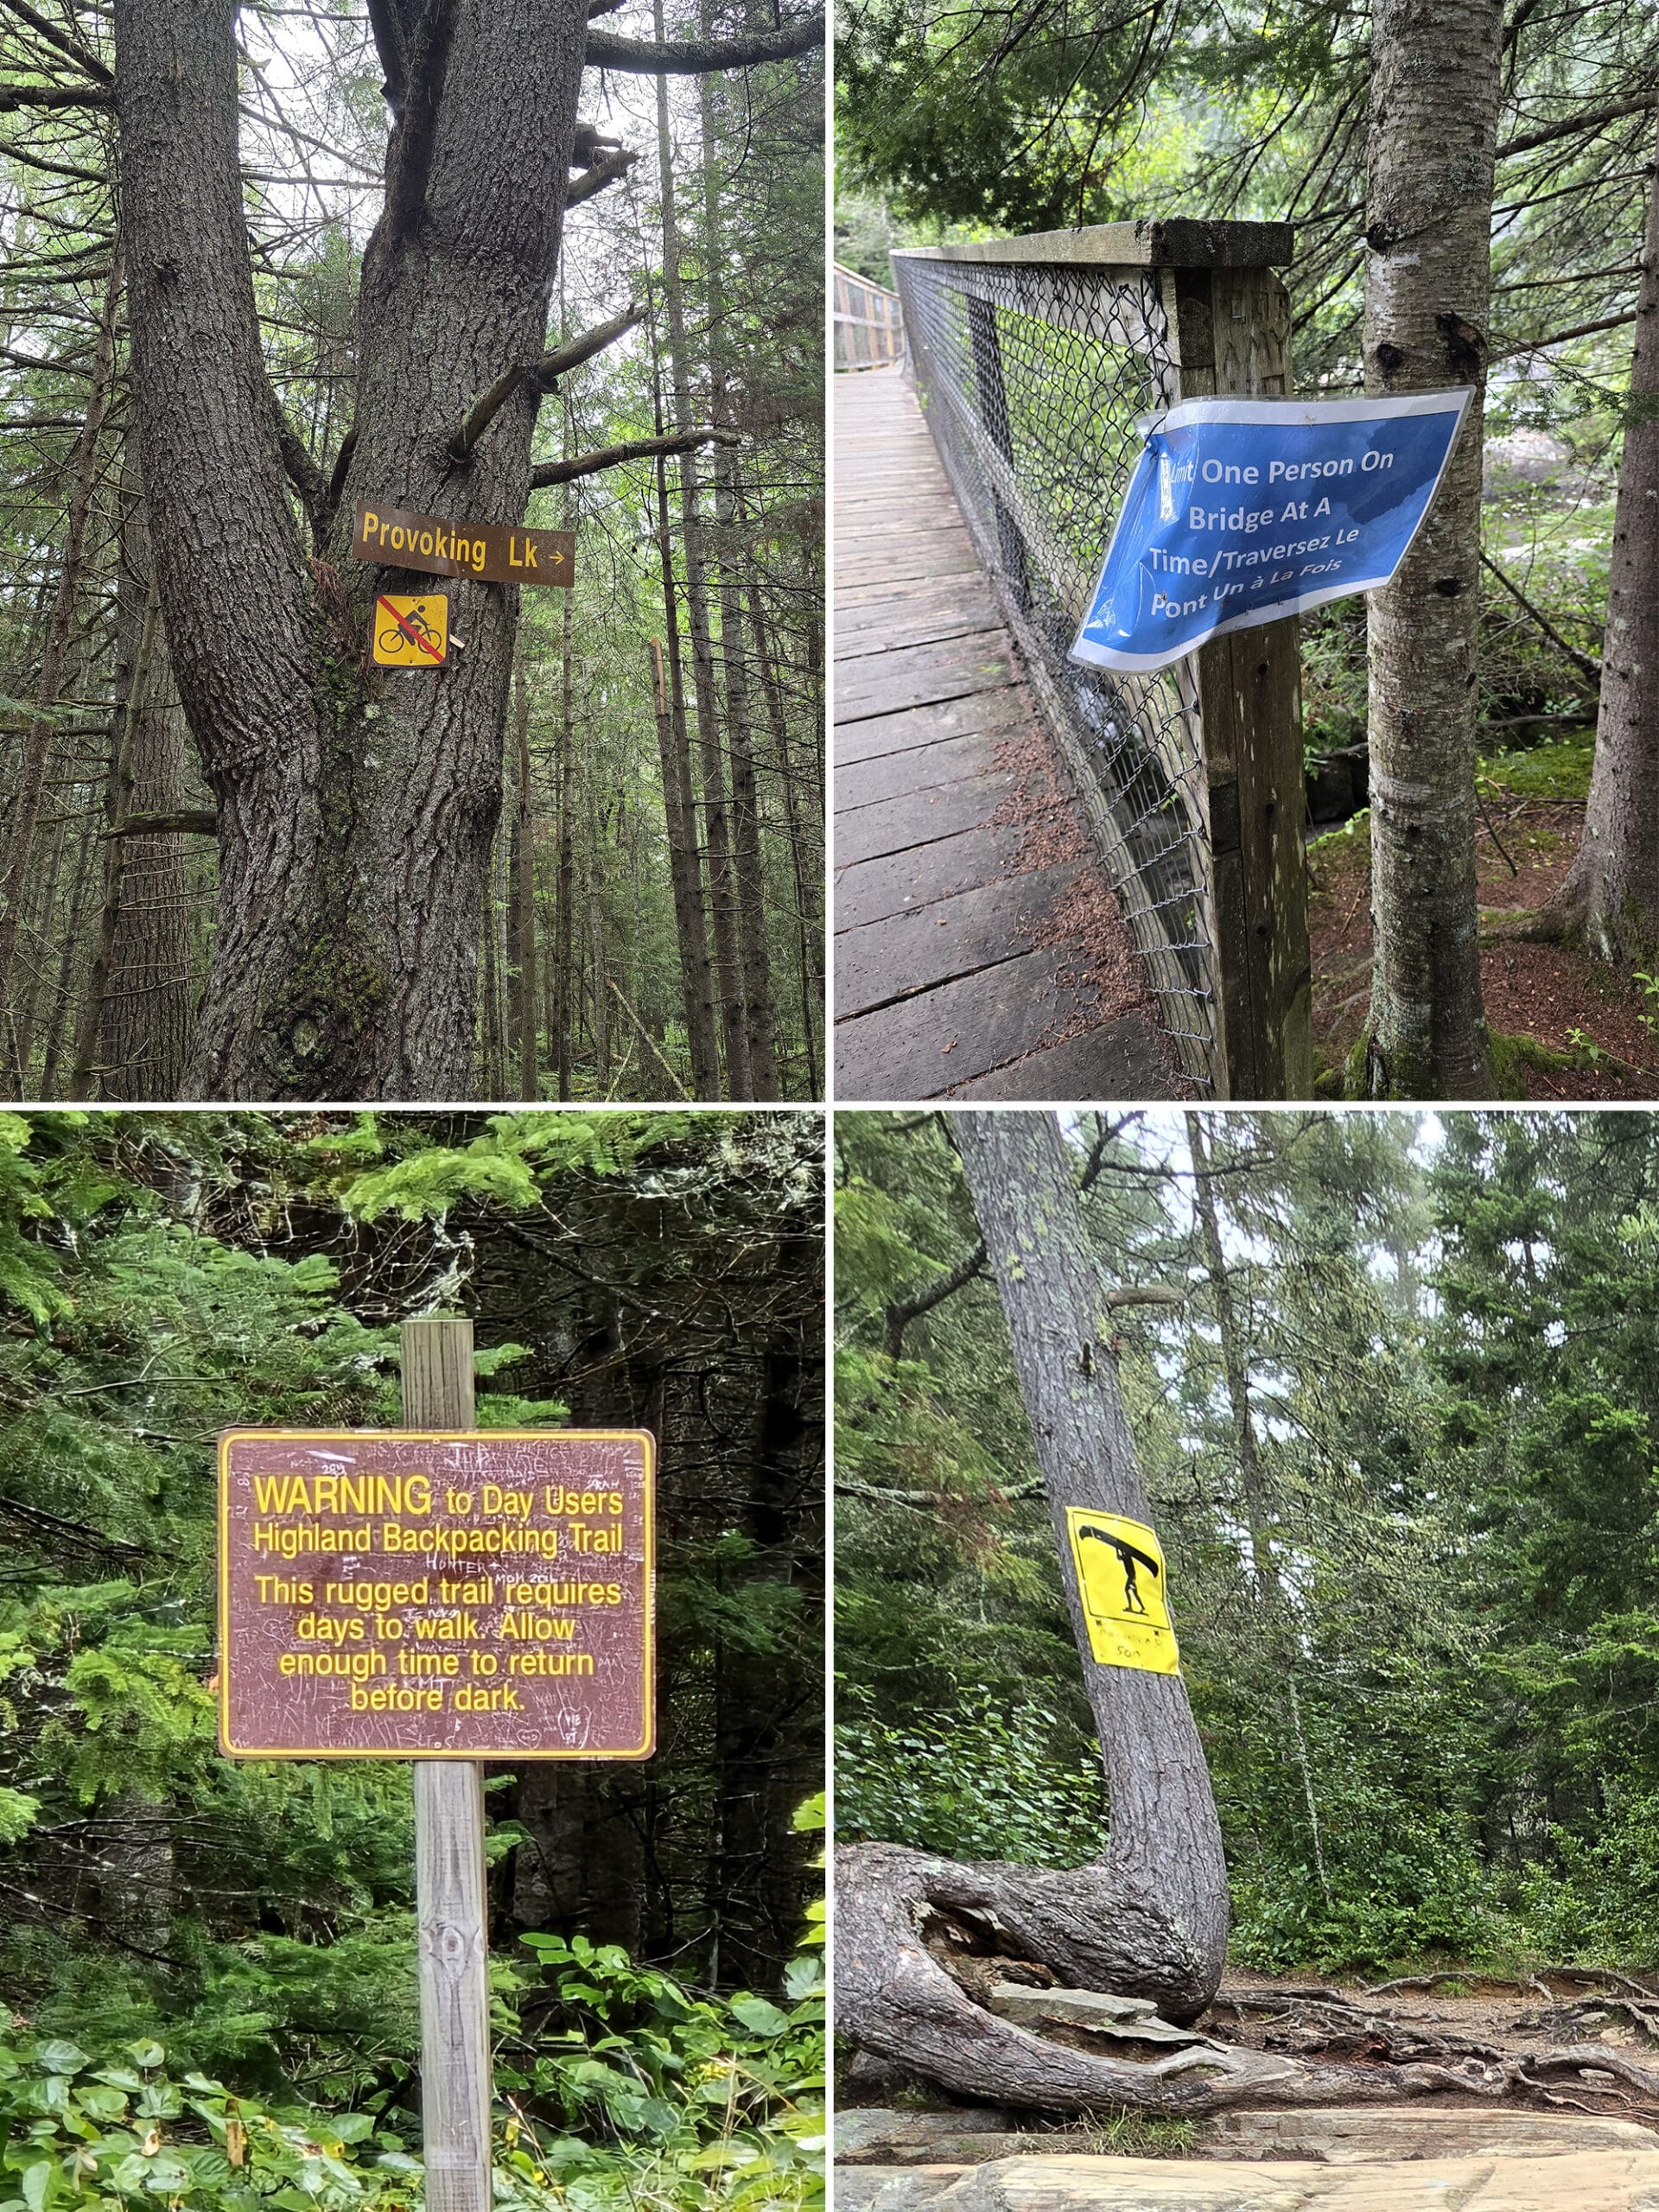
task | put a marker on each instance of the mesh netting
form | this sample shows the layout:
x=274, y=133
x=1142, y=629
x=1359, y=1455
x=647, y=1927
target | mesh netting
x=1030, y=379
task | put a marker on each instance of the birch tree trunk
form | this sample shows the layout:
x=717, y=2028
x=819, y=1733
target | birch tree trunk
x=1609, y=901
x=1150, y=1916
x=1432, y=136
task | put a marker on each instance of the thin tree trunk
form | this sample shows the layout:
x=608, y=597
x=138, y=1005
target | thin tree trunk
x=690, y=915
x=760, y=1018
x=806, y=865
x=1432, y=136
x=117, y=805
x=1258, y=1506
x=148, y=1008
x=37, y=743
x=728, y=970
x=63, y=996
x=564, y=939
x=1609, y=901
x=524, y=898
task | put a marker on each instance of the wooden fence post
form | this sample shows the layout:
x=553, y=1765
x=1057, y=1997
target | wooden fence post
x=1231, y=331
x=449, y=1894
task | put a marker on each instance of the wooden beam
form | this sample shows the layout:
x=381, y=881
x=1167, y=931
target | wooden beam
x=450, y=1893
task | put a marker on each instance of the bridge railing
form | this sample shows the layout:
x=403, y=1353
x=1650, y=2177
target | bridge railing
x=869, y=329
x=1035, y=359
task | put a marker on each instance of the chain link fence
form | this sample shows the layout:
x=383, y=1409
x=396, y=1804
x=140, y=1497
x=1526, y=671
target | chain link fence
x=1033, y=378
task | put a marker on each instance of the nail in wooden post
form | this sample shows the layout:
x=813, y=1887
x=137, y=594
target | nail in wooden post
x=450, y=1905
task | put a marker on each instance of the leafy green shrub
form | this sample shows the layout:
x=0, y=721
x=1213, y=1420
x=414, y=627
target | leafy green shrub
x=1422, y=1890
x=1601, y=1905
x=986, y=1783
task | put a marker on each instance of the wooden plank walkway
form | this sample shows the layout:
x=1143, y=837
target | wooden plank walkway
x=970, y=919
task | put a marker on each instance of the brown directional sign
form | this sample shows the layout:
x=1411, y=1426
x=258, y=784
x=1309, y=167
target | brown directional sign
x=395, y=538
x=397, y=1594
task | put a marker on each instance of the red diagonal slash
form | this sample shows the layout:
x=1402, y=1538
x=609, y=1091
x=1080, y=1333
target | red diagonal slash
x=412, y=633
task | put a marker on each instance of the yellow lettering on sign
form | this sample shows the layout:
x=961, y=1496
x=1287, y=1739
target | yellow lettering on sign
x=1123, y=1584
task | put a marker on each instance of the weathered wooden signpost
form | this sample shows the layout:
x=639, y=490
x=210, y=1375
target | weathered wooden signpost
x=446, y=1595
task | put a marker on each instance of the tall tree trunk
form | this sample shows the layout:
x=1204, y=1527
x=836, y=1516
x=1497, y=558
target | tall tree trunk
x=760, y=1018
x=37, y=743
x=690, y=913
x=728, y=967
x=58, y=1029
x=566, y=999
x=117, y=805
x=1151, y=1916
x=148, y=1001
x=1259, y=1513
x=524, y=898
x=806, y=859
x=1609, y=901
x=1432, y=136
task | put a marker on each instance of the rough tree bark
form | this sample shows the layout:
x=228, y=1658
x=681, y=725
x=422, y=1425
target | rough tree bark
x=1432, y=136
x=1150, y=1917
x=1610, y=901
x=356, y=807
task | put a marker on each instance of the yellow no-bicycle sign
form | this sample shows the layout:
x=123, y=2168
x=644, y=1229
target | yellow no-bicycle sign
x=411, y=632
x=1124, y=1586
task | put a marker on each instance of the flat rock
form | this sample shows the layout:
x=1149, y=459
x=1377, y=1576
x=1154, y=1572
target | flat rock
x=878, y=2131
x=1353, y=2137
x=1091, y=2011
x=892, y=2188
x=1596, y=2181
x=1016, y=2000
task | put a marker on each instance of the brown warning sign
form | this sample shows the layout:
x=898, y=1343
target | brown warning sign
x=396, y=1593
x=395, y=538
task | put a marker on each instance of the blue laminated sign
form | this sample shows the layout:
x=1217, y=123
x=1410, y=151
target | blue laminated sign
x=1242, y=511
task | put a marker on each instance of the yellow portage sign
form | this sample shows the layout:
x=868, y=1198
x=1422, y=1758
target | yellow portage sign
x=411, y=632
x=1125, y=1591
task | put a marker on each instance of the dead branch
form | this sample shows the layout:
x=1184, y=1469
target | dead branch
x=588, y=464
x=602, y=173
x=541, y=375
x=692, y=57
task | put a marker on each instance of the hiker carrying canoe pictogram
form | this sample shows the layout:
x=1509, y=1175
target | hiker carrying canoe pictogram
x=1129, y=1560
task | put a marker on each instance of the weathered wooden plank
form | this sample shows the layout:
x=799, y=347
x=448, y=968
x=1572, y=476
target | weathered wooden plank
x=959, y=613
x=1006, y=709
x=918, y=818
x=452, y=1938
x=881, y=683
x=922, y=1047
x=916, y=950
x=893, y=882
x=890, y=775
x=1119, y=1060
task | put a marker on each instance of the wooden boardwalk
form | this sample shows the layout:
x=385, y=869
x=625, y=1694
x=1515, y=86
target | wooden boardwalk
x=956, y=969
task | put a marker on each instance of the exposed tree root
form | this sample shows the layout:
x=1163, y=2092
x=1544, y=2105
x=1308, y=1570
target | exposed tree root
x=921, y=1940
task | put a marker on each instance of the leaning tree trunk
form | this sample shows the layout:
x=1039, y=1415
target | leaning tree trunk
x=1433, y=135
x=1610, y=901
x=1150, y=1917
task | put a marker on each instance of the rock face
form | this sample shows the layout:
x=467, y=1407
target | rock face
x=1341, y=2137
x=878, y=2135
x=1596, y=2181
x=892, y=2188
